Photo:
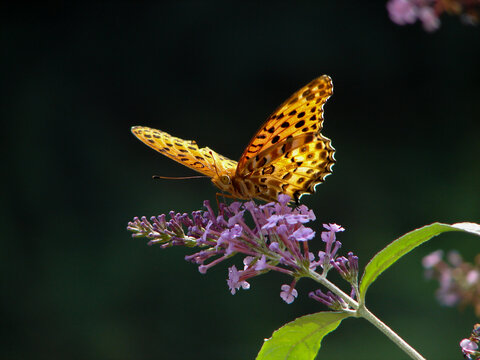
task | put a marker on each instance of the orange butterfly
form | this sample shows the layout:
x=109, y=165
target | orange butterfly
x=288, y=155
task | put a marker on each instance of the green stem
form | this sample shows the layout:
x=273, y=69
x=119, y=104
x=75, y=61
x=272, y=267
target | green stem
x=366, y=314
x=362, y=311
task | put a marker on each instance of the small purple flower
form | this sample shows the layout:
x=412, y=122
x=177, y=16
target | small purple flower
x=274, y=246
x=227, y=237
x=235, y=207
x=333, y=228
x=331, y=247
x=203, y=240
x=261, y=264
x=236, y=219
x=303, y=234
x=289, y=219
x=432, y=259
x=234, y=282
x=454, y=258
x=299, y=218
x=272, y=222
x=283, y=199
x=472, y=277
x=288, y=294
x=247, y=261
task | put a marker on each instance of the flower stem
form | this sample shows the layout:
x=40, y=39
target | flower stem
x=362, y=311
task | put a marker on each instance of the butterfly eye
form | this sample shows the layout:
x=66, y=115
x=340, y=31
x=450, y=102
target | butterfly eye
x=225, y=179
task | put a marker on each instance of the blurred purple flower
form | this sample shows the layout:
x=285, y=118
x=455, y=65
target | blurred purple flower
x=432, y=259
x=448, y=293
x=428, y=12
x=473, y=277
x=459, y=280
x=454, y=258
x=429, y=18
x=404, y=12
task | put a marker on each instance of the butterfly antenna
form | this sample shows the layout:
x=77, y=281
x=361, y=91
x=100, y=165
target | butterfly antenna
x=178, y=177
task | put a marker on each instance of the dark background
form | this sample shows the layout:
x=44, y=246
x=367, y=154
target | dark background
x=404, y=119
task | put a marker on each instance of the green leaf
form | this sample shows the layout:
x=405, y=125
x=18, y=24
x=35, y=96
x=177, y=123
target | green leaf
x=301, y=338
x=389, y=255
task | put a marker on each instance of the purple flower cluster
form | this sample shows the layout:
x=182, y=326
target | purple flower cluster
x=272, y=237
x=346, y=267
x=469, y=346
x=404, y=12
x=459, y=281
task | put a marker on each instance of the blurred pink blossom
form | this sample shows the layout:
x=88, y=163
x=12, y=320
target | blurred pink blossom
x=402, y=12
x=428, y=12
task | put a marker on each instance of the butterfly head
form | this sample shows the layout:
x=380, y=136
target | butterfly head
x=225, y=180
x=224, y=183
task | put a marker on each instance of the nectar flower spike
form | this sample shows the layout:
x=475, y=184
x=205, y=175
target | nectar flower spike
x=277, y=240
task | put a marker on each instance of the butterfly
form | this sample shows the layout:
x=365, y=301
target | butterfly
x=288, y=154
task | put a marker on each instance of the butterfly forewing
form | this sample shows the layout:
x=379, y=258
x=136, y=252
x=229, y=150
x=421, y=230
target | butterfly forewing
x=186, y=152
x=300, y=114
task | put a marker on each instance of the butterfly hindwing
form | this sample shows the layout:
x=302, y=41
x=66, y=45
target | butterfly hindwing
x=297, y=172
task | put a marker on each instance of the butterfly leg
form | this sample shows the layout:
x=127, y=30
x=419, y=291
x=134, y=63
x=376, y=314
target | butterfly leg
x=223, y=195
x=296, y=197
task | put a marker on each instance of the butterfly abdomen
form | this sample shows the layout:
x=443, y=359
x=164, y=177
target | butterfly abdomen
x=246, y=188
